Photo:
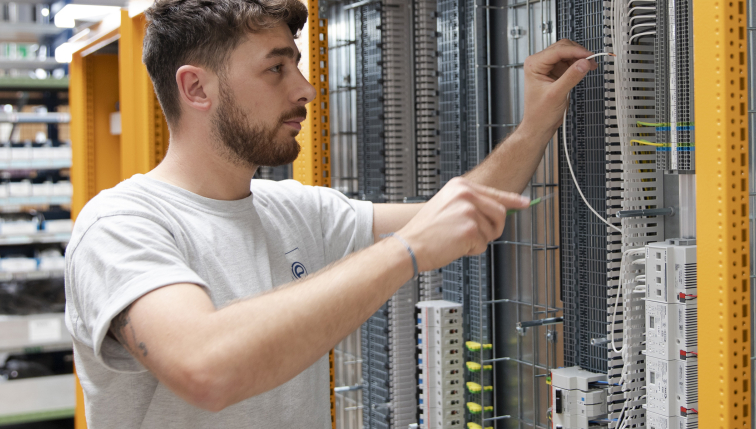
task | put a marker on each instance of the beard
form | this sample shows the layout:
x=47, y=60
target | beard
x=251, y=146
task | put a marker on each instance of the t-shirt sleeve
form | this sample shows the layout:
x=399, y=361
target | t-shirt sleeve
x=347, y=224
x=118, y=260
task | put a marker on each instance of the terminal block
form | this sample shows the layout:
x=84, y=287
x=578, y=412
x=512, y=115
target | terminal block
x=671, y=330
x=672, y=386
x=440, y=365
x=671, y=274
x=578, y=397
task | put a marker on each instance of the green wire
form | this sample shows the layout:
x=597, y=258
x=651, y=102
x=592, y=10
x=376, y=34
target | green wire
x=532, y=203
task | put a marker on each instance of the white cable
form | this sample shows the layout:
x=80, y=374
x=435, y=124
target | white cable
x=567, y=156
x=638, y=251
x=642, y=17
x=643, y=24
x=647, y=33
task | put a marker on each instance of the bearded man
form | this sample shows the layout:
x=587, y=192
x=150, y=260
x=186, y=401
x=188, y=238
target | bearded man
x=197, y=300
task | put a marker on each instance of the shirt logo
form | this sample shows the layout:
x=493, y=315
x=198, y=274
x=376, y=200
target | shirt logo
x=298, y=270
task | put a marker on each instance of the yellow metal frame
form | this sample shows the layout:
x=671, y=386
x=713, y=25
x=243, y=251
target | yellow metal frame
x=720, y=50
x=93, y=97
x=313, y=166
x=144, y=134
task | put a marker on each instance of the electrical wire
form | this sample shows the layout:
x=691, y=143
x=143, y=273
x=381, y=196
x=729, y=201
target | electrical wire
x=567, y=155
x=648, y=143
x=639, y=35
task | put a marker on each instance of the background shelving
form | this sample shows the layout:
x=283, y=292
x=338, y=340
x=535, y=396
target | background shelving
x=36, y=361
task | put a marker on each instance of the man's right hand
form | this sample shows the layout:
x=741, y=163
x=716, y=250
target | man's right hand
x=459, y=221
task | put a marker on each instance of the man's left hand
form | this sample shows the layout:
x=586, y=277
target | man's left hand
x=549, y=77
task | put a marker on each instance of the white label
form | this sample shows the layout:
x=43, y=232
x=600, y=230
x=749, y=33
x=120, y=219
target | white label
x=44, y=330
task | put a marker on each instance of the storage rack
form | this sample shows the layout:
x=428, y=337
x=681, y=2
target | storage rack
x=36, y=373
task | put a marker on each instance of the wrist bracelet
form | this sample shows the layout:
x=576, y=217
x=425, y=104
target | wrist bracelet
x=409, y=249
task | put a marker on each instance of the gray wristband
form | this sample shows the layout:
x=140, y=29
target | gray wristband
x=409, y=249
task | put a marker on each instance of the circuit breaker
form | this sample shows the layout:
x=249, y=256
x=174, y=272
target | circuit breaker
x=440, y=365
x=672, y=386
x=578, y=397
x=658, y=421
x=672, y=333
x=671, y=274
x=671, y=329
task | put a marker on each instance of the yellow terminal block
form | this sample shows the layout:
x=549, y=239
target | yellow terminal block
x=475, y=347
x=472, y=425
x=475, y=367
x=473, y=387
x=474, y=408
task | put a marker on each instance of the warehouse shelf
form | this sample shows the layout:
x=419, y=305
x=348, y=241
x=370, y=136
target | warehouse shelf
x=41, y=237
x=37, y=332
x=17, y=204
x=31, y=84
x=35, y=118
x=37, y=399
x=36, y=164
x=23, y=32
x=47, y=63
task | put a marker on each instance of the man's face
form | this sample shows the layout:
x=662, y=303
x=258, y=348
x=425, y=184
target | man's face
x=261, y=102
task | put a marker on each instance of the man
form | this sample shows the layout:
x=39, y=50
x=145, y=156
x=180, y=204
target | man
x=196, y=303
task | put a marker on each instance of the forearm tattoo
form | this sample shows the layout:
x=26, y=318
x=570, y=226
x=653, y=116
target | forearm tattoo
x=122, y=329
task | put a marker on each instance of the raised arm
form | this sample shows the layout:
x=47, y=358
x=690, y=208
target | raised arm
x=549, y=77
x=213, y=358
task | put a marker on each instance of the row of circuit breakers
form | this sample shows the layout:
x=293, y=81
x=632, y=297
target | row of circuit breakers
x=426, y=75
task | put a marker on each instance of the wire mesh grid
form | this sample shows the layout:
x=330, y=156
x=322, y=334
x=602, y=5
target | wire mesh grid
x=342, y=80
x=342, y=101
x=522, y=268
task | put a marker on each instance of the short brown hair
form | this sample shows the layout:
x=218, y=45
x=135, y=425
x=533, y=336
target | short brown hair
x=204, y=33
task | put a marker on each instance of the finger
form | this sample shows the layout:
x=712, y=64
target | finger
x=486, y=232
x=544, y=61
x=493, y=215
x=508, y=199
x=571, y=77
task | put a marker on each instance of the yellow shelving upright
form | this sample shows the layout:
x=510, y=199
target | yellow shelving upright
x=724, y=341
x=312, y=166
x=144, y=134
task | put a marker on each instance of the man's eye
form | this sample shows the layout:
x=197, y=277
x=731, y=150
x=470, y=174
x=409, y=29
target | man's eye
x=275, y=69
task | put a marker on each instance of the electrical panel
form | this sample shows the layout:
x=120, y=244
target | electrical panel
x=628, y=291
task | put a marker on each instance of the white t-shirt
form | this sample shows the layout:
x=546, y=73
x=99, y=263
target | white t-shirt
x=144, y=234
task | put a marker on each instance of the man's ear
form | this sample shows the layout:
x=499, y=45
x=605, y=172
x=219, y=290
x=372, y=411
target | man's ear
x=196, y=87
